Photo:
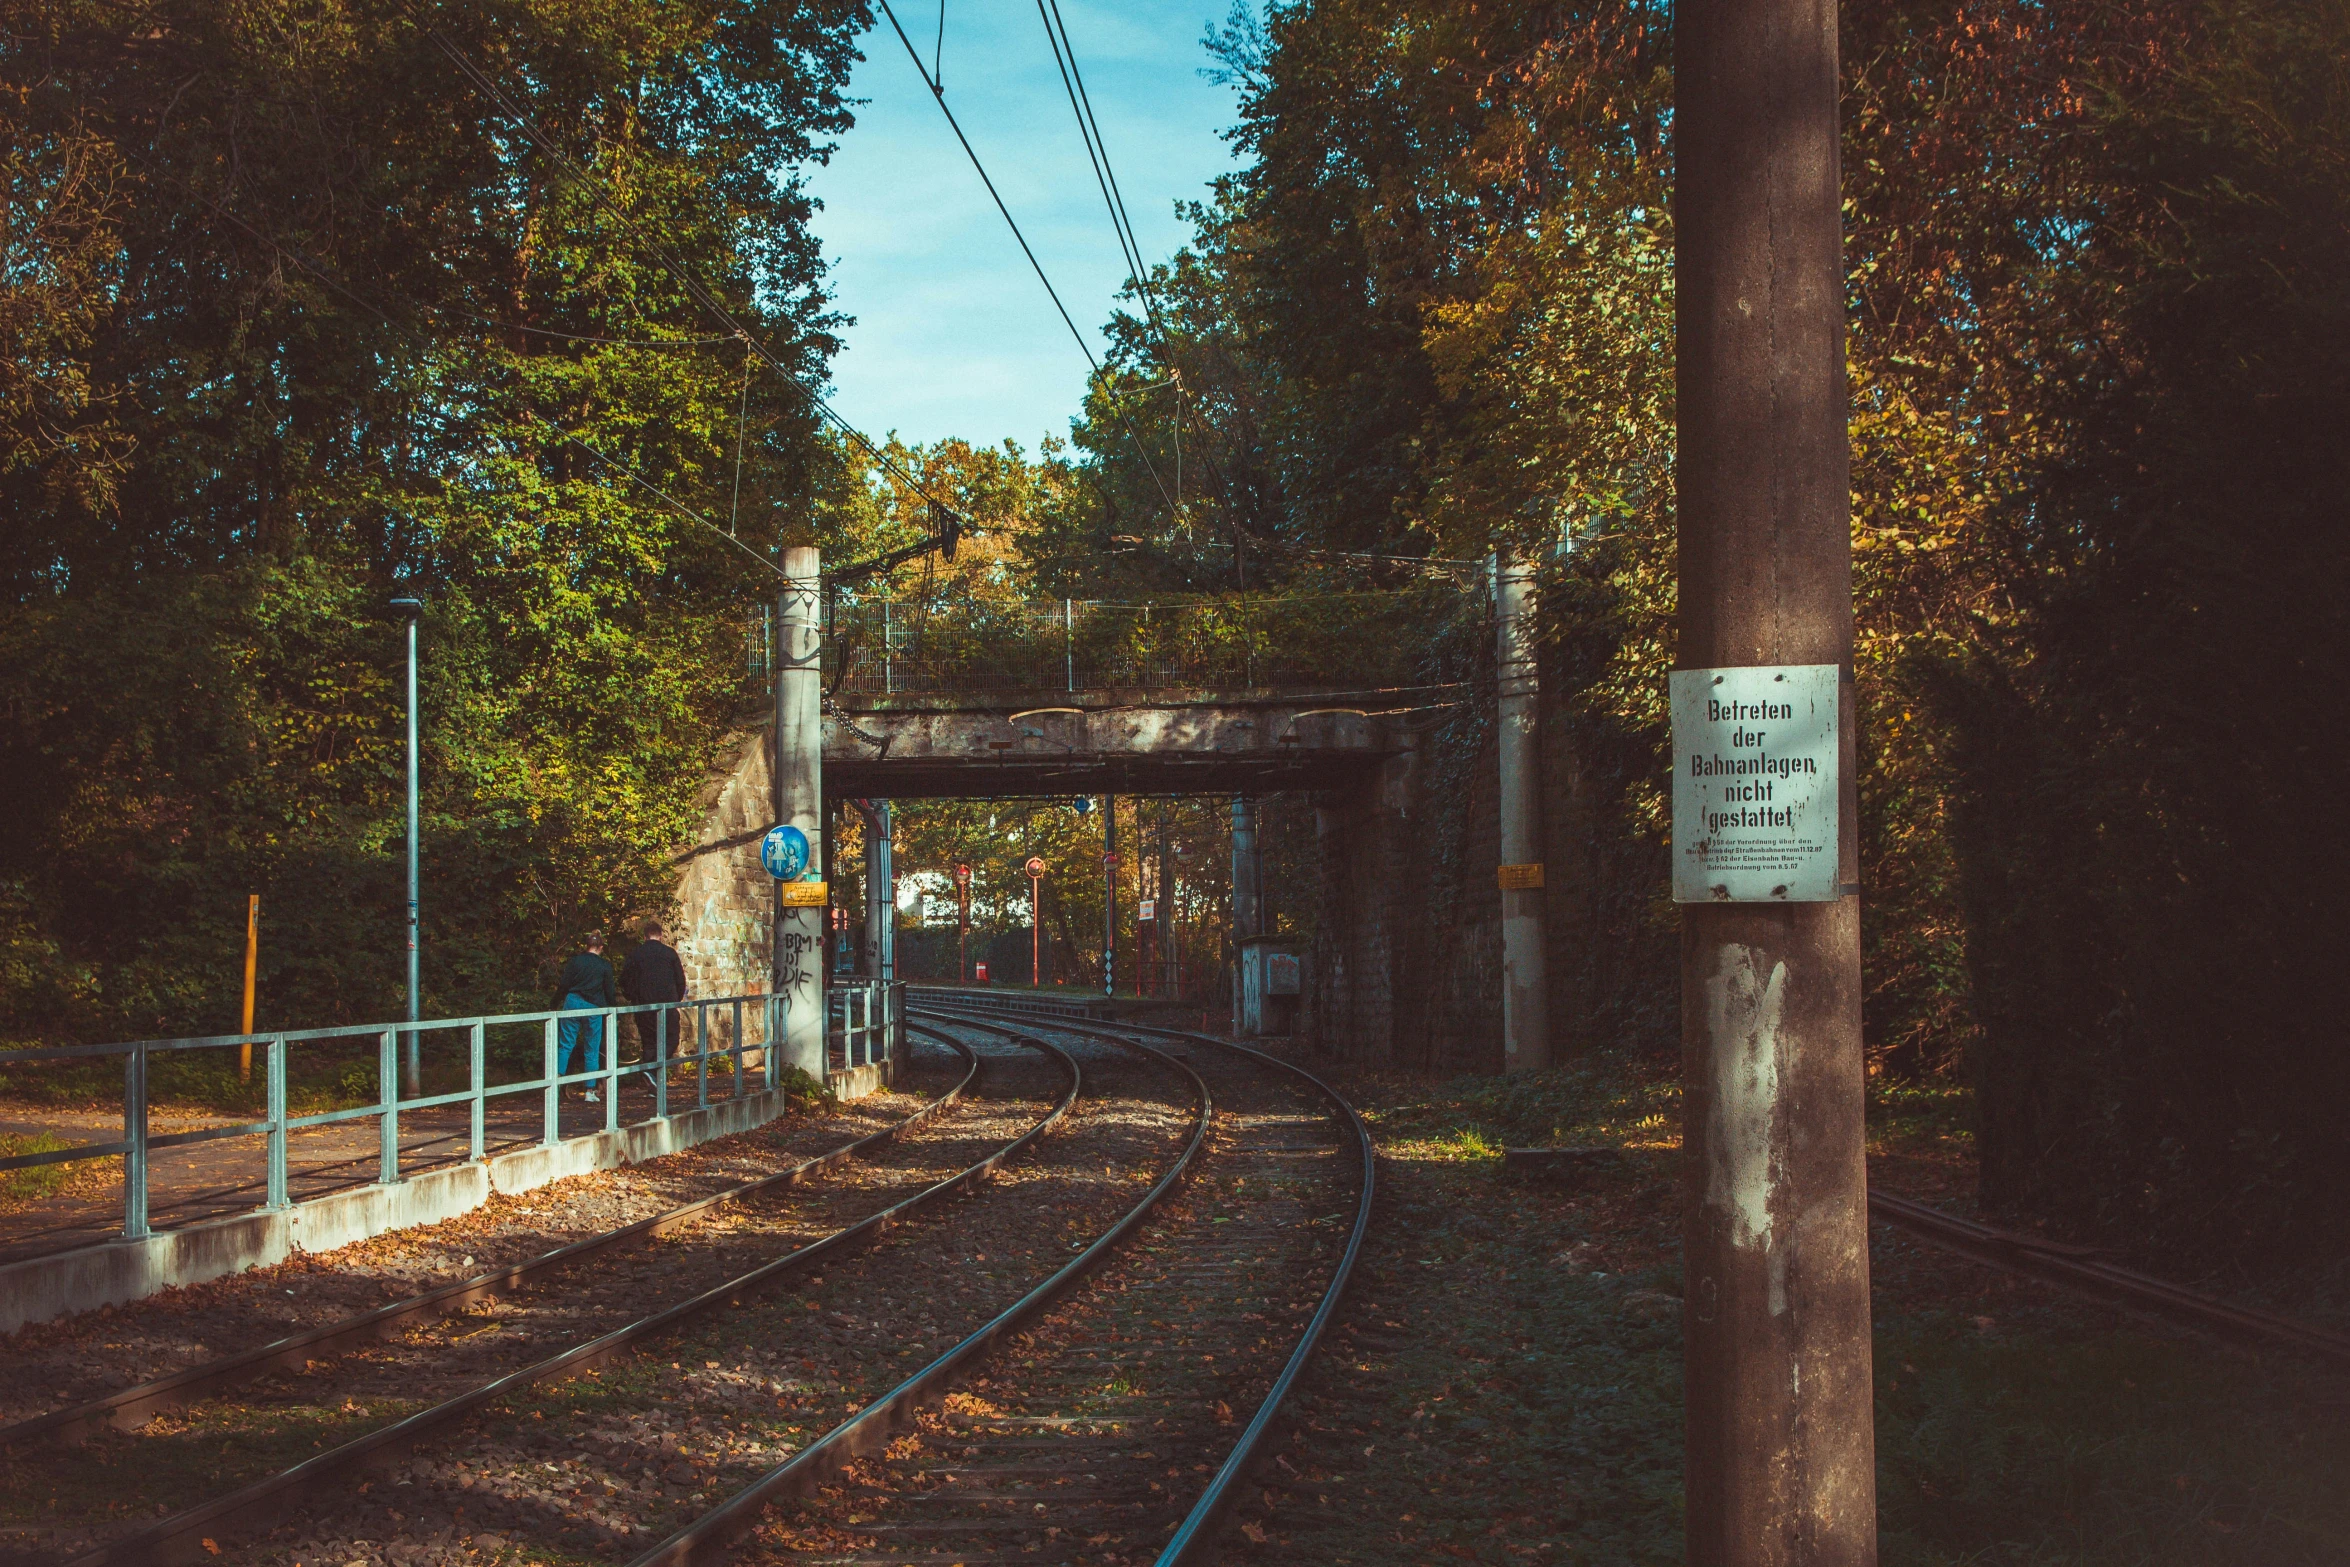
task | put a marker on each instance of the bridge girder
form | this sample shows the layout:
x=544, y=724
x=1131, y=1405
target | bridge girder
x=1112, y=742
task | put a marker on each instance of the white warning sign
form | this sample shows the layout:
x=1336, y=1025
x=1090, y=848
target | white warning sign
x=1754, y=785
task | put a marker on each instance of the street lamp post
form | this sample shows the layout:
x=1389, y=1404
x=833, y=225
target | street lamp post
x=410, y=610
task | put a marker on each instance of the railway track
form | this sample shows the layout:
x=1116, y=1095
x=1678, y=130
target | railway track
x=1123, y=1367
x=131, y=1407
x=1119, y=1413
x=2079, y=1269
x=1133, y=1297
x=227, y=1469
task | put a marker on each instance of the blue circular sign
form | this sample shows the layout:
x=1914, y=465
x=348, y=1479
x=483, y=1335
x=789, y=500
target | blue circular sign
x=784, y=851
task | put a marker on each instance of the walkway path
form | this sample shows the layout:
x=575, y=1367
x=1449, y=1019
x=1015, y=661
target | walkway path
x=189, y=1185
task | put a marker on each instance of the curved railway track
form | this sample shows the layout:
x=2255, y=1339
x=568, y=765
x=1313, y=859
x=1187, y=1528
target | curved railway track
x=454, y=1376
x=133, y=1406
x=1045, y=1366
x=947, y=1358
x=1112, y=1435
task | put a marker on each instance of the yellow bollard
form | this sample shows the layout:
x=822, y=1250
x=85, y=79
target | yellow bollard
x=252, y=950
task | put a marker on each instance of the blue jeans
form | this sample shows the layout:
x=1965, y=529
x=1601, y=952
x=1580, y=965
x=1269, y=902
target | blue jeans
x=571, y=1033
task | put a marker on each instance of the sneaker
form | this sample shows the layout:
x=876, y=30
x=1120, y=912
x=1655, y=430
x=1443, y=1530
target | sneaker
x=594, y=1098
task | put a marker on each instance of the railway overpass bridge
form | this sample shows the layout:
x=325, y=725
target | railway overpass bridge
x=1355, y=751
x=1121, y=741
x=1301, y=693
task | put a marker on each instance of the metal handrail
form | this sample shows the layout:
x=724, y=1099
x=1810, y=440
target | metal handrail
x=863, y=1031
x=137, y=1143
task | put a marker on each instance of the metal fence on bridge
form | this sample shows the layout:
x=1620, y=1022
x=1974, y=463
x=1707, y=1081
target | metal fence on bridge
x=883, y=646
x=729, y=1041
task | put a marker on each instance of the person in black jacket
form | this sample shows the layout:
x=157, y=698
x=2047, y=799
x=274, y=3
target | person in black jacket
x=585, y=985
x=653, y=973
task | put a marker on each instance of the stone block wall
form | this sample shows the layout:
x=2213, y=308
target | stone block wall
x=724, y=897
x=1405, y=968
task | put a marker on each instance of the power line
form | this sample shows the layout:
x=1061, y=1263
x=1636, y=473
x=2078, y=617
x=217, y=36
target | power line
x=1097, y=150
x=680, y=507
x=296, y=253
x=938, y=96
x=581, y=337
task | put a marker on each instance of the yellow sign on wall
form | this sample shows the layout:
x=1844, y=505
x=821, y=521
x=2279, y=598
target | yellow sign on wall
x=803, y=894
x=1518, y=878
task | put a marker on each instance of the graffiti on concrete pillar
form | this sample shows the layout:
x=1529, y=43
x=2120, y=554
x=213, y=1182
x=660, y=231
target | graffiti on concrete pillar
x=797, y=945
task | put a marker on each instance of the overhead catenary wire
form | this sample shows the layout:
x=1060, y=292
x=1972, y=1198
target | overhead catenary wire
x=326, y=275
x=1097, y=149
x=742, y=412
x=1096, y=154
x=676, y=505
x=297, y=254
x=938, y=96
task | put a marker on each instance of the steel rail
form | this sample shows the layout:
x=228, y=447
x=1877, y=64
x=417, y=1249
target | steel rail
x=179, y=1536
x=709, y=1537
x=134, y=1406
x=2053, y=1262
x=1194, y=1536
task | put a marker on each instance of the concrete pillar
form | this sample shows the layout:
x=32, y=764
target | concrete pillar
x=1245, y=911
x=1109, y=895
x=889, y=896
x=799, y=802
x=1525, y=1010
x=1780, y=1467
x=881, y=891
x=1166, y=908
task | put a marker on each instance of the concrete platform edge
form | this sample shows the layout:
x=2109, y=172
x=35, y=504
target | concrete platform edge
x=40, y=1288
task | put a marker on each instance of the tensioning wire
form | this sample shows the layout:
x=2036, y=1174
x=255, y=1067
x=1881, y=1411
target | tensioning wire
x=939, y=97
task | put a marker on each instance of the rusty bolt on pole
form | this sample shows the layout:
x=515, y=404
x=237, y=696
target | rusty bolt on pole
x=1781, y=1466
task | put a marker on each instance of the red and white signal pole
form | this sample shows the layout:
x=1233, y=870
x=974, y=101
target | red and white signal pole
x=962, y=923
x=1035, y=868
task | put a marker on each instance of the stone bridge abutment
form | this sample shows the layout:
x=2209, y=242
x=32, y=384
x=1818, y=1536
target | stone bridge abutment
x=1405, y=962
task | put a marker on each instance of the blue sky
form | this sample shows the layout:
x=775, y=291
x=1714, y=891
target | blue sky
x=954, y=335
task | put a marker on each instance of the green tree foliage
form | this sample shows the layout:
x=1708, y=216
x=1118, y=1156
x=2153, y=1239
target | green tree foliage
x=996, y=838
x=2106, y=272
x=2097, y=360
x=298, y=320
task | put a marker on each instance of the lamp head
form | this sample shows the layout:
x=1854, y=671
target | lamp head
x=408, y=608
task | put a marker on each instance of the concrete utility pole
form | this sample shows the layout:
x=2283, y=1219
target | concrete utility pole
x=962, y=922
x=1246, y=910
x=881, y=890
x=1781, y=1465
x=1166, y=921
x=1525, y=1000
x=1109, y=895
x=800, y=933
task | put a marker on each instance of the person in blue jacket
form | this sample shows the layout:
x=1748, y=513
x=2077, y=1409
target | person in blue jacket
x=587, y=983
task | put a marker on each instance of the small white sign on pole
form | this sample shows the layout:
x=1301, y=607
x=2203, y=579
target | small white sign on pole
x=1755, y=785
